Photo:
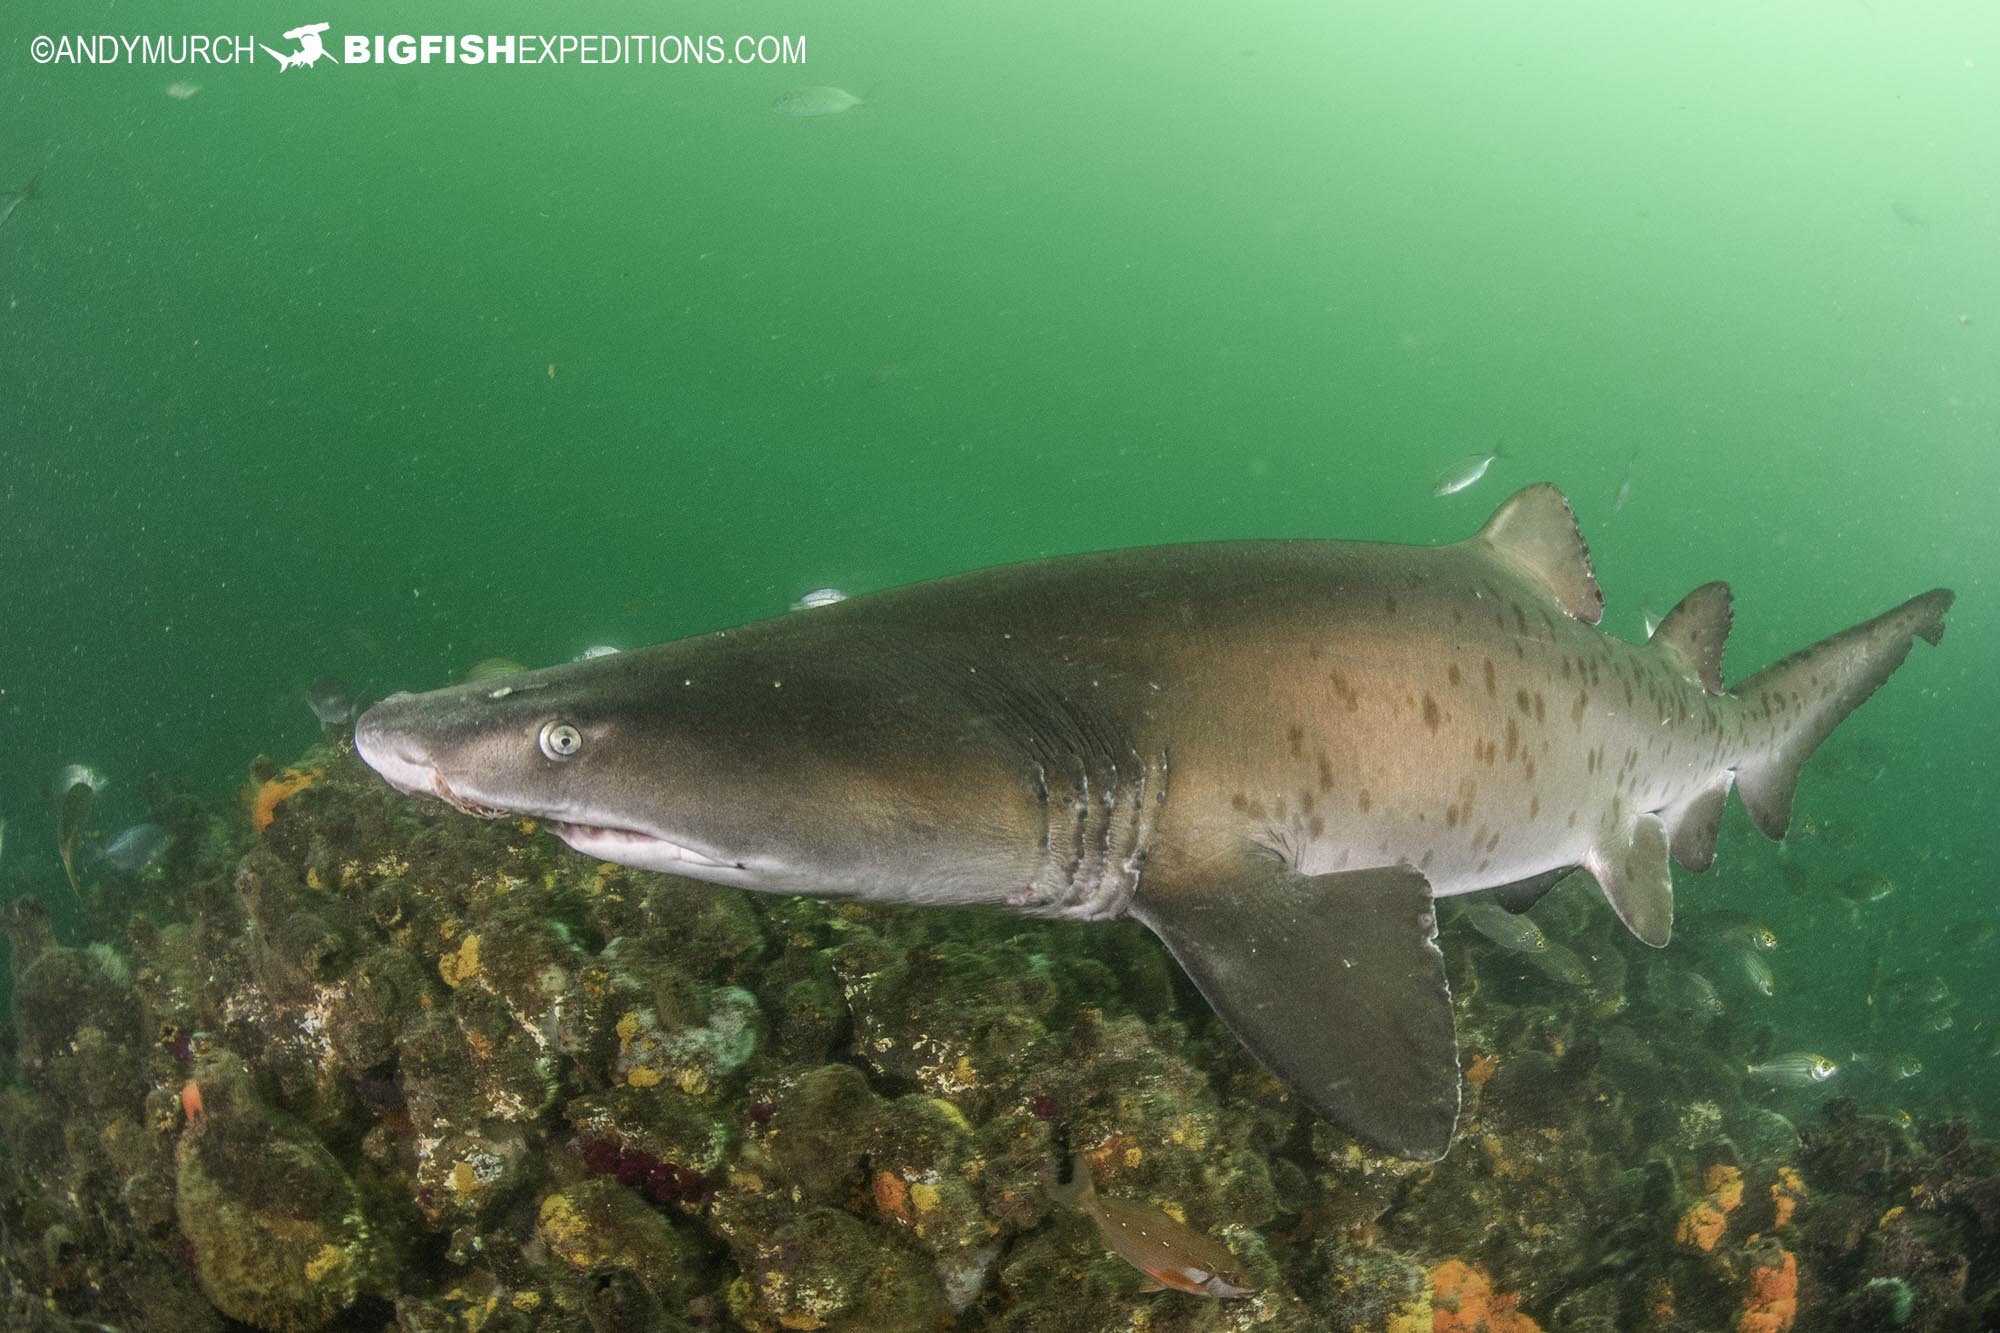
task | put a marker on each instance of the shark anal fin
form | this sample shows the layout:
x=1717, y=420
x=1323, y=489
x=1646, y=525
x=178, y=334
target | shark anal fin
x=1522, y=894
x=1335, y=982
x=1630, y=863
x=1535, y=533
x=1694, y=632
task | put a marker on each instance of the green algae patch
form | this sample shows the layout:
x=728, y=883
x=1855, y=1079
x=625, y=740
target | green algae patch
x=273, y=1222
x=599, y=1224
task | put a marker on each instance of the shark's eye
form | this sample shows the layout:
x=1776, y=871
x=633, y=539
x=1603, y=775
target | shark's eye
x=560, y=740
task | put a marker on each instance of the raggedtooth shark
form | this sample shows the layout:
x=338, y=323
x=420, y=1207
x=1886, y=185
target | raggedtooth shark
x=1277, y=755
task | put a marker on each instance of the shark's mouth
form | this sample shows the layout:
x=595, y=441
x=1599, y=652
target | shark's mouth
x=633, y=848
x=442, y=790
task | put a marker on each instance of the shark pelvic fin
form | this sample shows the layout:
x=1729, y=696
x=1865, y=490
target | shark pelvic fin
x=1630, y=863
x=1692, y=635
x=1692, y=825
x=1811, y=692
x=1335, y=982
x=1534, y=533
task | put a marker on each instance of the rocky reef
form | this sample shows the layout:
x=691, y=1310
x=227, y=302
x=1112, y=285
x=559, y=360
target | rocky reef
x=353, y=1061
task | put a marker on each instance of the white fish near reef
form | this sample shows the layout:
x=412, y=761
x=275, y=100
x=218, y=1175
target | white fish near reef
x=819, y=597
x=137, y=847
x=1751, y=966
x=74, y=773
x=1624, y=488
x=13, y=199
x=1510, y=930
x=1794, y=1069
x=1465, y=473
x=820, y=100
x=1172, y=1255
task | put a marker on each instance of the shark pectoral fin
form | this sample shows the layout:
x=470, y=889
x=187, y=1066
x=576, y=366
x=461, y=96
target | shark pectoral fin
x=1335, y=982
x=1631, y=867
x=1693, y=634
x=1534, y=532
x=1693, y=824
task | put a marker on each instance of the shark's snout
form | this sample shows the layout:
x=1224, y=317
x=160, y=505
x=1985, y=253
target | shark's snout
x=394, y=752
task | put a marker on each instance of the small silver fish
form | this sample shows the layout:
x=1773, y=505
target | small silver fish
x=1172, y=1255
x=137, y=847
x=1736, y=928
x=75, y=808
x=1751, y=966
x=1794, y=1069
x=819, y=597
x=180, y=92
x=595, y=650
x=820, y=100
x=492, y=668
x=74, y=773
x=1464, y=473
x=1515, y=931
x=13, y=199
x=1910, y=990
x=1937, y=1017
x=1863, y=887
x=1624, y=487
x=1651, y=619
x=331, y=701
x=1559, y=962
x=1690, y=995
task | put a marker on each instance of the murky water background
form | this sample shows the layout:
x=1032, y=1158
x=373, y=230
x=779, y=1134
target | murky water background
x=378, y=372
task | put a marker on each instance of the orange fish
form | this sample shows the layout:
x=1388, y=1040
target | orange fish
x=1172, y=1255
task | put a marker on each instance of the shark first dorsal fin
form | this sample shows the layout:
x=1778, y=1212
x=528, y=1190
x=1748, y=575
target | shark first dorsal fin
x=1534, y=533
x=1334, y=981
x=1694, y=632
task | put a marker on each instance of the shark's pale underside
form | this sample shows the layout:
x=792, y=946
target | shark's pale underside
x=1277, y=755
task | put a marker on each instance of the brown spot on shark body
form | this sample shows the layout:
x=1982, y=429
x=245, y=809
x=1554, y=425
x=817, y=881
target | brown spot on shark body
x=1451, y=673
x=1489, y=676
x=1363, y=801
x=1432, y=717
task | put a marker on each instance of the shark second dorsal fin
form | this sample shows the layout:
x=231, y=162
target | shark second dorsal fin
x=1694, y=632
x=1334, y=981
x=1534, y=533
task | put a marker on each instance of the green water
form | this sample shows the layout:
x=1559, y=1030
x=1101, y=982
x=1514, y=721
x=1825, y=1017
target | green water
x=378, y=372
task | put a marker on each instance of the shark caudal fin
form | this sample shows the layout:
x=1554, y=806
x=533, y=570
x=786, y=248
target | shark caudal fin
x=1807, y=695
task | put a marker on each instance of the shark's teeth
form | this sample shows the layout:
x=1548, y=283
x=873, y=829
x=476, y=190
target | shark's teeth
x=442, y=790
